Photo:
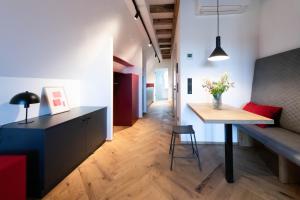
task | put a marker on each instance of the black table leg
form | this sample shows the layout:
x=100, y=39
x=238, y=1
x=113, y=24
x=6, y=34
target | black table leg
x=228, y=154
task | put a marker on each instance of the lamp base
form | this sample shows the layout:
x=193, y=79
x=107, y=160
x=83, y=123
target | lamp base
x=29, y=122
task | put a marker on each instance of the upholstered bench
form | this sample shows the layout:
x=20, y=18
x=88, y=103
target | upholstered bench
x=12, y=177
x=277, y=82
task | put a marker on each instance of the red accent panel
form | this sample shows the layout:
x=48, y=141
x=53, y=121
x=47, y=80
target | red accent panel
x=135, y=98
x=13, y=177
x=264, y=110
x=57, y=102
x=122, y=62
x=56, y=94
x=150, y=85
x=126, y=99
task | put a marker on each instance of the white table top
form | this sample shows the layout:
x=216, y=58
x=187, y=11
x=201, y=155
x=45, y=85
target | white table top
x=227, y=115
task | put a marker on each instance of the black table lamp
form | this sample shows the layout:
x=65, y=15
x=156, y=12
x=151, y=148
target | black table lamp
x=25, y=98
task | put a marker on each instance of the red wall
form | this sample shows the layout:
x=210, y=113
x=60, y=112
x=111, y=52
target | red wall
x=126, y=99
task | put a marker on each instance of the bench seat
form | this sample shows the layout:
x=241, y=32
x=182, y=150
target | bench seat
x=276, y=83
x=282, y=141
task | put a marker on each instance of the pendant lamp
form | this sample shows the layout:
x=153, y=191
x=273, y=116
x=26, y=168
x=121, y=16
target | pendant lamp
x=218, y=54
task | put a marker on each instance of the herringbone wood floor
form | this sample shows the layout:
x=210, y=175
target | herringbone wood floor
x=135, y=165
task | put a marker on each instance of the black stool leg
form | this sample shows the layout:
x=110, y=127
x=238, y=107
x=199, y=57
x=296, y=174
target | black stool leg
x=171, y=142
x=197, y=152
x=192, y=144
x=173, y=149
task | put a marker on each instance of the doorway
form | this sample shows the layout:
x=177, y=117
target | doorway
x=161, y=84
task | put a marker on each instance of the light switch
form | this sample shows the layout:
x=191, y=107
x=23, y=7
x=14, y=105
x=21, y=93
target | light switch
x=189, y=56
x=189, y=86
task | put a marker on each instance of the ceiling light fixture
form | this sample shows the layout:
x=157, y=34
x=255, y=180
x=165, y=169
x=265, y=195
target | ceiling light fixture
x=218, y=54
x=136, y=16
x=150, y=44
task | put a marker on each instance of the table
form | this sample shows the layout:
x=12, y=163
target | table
x=227, y=115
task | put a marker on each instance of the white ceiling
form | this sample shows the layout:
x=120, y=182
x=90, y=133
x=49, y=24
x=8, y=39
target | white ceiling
x=222, y=2
x=49, y=39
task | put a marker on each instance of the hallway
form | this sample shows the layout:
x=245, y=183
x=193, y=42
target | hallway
x=135, y=165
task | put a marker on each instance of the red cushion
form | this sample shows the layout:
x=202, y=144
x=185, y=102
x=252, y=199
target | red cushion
x=13, y=177
x=271, y=112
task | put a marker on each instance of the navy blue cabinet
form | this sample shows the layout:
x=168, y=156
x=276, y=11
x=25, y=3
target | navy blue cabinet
x=55, y=145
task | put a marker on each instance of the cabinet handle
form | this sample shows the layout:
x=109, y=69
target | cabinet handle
x=86, y=119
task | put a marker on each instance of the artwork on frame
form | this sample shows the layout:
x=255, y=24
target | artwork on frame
x=57, y=99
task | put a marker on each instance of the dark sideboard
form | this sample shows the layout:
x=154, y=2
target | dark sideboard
x=54, y=145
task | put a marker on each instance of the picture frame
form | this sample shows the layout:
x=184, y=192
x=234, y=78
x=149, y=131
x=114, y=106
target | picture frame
x=57, y=99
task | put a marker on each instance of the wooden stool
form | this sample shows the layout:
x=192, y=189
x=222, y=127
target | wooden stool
x=178, y=130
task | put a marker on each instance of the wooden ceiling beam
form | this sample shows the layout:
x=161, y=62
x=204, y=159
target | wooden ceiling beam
x=165, y=51
x=163, y=31
x=163, y=21
x=176, y=11
x=163, y=8
x=166, y=56
x=122, y=62
x=165, y=46
x=164, y=40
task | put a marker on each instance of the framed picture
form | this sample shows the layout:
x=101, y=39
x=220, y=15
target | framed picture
x=57, y=99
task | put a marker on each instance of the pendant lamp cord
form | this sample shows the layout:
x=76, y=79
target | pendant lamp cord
x=218, y=21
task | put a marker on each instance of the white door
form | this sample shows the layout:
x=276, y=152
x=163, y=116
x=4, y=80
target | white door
x=161, y=84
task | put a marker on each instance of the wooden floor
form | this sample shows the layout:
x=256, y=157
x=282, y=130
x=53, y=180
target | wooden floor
x=135, y=165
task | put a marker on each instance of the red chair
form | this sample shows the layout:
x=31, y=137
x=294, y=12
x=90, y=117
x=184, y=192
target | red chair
x=13, y=177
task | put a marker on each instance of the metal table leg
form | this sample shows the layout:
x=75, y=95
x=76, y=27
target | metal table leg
x=228, y=154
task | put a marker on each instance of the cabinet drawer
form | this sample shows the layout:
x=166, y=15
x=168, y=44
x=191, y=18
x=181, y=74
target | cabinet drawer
x=95, y=130
x=64, y=150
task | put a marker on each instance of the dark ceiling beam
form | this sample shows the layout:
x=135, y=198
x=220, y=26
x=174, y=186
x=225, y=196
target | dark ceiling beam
x=176, y=11
x=122, y=62
x=164, y=40
x=163, y=21
x=162, y=46
x=166, y=56
x=165, y=51
x=163, y=31
x=163, y=8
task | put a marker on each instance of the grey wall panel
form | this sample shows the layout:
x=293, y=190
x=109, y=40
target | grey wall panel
x=277, y=82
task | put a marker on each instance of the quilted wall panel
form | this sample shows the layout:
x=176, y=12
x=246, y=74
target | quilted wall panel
x=276, y=82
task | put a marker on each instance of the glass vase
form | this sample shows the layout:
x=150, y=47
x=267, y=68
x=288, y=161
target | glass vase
x=217, y=101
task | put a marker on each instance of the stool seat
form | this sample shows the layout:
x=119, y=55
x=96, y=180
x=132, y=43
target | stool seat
x=187, y=129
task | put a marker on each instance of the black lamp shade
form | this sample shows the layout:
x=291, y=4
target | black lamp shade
x=218, y=54
x=25, y=98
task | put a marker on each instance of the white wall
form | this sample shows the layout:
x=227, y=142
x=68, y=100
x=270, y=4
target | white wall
x=11, y=86
x=175, y=58
x=279, y=26
x=148, y=62
x=144, y=81
x=68, y=43
x=97, y=82
x=197, y=36
x=153, y=64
